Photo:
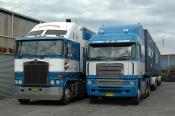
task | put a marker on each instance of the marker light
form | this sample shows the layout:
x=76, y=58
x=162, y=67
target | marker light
x=59, y=75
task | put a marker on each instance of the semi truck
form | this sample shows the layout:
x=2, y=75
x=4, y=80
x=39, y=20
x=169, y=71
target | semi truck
x=50, y=62
x=123, y=61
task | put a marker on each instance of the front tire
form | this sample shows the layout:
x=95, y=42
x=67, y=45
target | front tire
x=136, y=99
x=66, y=96
x=154, y=87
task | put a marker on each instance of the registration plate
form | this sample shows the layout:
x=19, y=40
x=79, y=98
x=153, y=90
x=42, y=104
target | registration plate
x=109, y=94
x=35, y=89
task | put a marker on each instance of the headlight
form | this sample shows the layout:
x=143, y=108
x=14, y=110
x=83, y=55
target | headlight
x=89, y=82
x=18, y=82
x=131, y=82
x=126, y=82
x=57, y=82
x=52, y=82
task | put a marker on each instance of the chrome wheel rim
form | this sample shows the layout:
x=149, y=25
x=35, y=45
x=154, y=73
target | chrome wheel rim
x=67, y=94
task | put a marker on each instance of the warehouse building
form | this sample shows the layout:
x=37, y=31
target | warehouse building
x=168, y=67
x=12, y=25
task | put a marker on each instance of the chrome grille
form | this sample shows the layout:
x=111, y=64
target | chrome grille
x=109, y=82
x=109, y=69
x=36, y=73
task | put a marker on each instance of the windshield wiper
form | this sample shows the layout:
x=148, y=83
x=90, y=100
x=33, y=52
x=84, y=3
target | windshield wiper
x=47, y=54
x=120, y=58
x=97, y=58
x=123, y=57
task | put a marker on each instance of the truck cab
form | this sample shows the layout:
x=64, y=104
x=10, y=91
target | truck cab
x=49, y=62
x=116, y=63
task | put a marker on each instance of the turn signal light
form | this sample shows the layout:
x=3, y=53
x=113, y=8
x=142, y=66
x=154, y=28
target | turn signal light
x=60, y=76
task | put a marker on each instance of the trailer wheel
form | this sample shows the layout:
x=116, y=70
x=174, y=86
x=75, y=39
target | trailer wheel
x=24, y=101
x=93, y=99
x=136, y=99
x=154, y=87
x=147, y=92
x=66, y=96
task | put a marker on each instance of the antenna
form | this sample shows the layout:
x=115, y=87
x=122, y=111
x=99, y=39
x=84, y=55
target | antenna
x=163, y=42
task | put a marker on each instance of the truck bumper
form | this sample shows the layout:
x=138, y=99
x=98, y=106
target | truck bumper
x=37, y=93
x=124, y=91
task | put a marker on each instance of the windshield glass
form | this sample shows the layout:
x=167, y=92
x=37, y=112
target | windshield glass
x=111, y=51
x=56, y=32
x=35, y=33
x=39, y=48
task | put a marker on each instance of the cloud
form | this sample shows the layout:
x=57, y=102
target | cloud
x=155, y=15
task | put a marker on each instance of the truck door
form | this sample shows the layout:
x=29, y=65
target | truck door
x=68, y=56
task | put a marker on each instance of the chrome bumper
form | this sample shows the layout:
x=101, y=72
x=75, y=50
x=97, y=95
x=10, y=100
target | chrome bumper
x=50, y=93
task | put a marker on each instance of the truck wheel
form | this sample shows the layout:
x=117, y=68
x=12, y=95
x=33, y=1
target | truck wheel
x=154, y=87
x=136, y=99
x=147, y=92
x=93, y=99
x=66, y=96
x=24, y=101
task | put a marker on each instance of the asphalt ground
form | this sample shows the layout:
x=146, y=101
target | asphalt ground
x=160, y=103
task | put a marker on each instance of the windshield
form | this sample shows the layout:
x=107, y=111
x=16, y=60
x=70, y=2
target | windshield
x=35, y=33
x=39, y=48
x=56, y=32
x=111, y=51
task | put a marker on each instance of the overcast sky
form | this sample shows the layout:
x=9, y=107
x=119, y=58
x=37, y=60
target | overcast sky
x=158, y=16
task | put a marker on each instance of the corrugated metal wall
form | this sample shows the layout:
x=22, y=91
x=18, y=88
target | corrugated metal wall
x=12, y=25
x=167, y=61
x=6, y=74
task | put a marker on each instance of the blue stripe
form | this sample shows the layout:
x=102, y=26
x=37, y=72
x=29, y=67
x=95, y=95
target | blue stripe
x=40, y=57
x=68, y=76
x=127, y=90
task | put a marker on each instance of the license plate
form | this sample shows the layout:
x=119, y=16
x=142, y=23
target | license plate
x=109, y=94
x=35, y=89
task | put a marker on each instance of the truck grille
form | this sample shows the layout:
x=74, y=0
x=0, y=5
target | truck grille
x=36, y=73
x=109, y=69
x=109, y=82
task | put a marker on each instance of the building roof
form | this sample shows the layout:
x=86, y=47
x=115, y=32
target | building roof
x=20, y=15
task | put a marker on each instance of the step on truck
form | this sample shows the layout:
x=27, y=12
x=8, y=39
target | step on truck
x=50, y=62
x=123, y=61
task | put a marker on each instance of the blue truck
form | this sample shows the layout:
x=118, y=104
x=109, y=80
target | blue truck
x=50, y=62
x=123, y=61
